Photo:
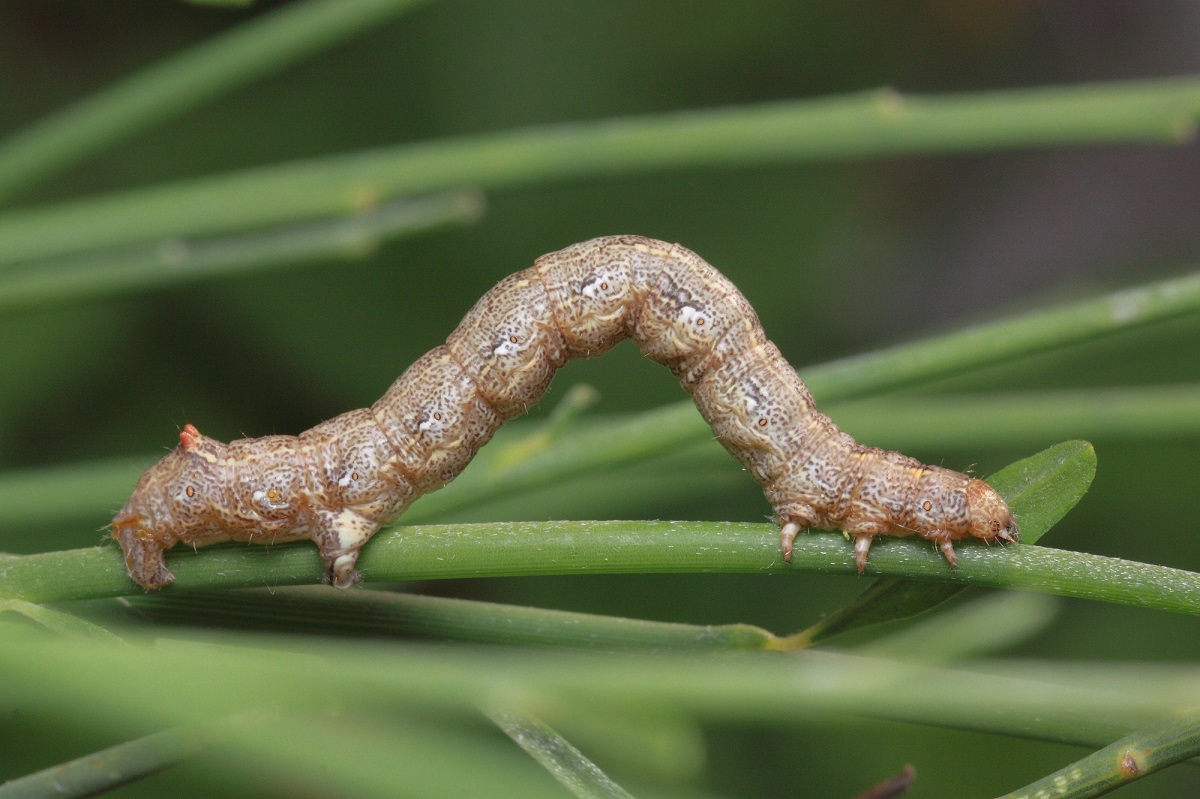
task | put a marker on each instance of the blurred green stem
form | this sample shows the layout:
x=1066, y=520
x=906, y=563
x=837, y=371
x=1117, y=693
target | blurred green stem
x=1131, y=758
x=295, y=672
x=557, y=755
x=854, y=126
x=107, y=769
x=319, y=611
x=141, y=267
x=181, y=82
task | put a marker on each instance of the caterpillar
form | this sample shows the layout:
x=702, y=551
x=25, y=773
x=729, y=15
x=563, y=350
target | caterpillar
x=340, y=481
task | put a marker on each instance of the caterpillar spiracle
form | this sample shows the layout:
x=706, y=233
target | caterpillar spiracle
x=339, y=482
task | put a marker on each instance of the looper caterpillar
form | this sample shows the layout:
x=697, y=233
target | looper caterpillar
x=339, y=482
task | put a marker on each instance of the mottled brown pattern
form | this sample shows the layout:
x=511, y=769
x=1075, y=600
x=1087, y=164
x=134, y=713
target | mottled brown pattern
x=337, y=483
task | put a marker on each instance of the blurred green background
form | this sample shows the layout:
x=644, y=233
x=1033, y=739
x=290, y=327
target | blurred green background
x=837, y=258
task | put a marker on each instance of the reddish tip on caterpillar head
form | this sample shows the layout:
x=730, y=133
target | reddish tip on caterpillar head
x=187, y=436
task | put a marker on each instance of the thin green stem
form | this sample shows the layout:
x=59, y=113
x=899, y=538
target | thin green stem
x=141, y=267
x=107, y=769
x=319, y=611
x=1137, y=755
x=182, y=82
x=976, y=628
x=854, y=126
x=1006, y=339
x=373, y=754
x=55, y=620
x=557, y=755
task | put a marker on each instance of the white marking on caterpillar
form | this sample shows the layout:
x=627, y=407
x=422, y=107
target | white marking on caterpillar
x=337, y=483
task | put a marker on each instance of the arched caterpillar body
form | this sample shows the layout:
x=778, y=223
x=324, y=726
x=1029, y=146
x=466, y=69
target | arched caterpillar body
x=340, y=481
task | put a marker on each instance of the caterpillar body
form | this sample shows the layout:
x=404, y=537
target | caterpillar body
x=339, y=482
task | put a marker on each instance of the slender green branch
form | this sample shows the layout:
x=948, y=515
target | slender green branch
x=182, y=82
x=1137, y=755
x=1006, y=339
x=978, y=627
x=141, y=267
x=993, y=622
x=317, y=611
x=526, y=549
x=854, y=126
x=557, y=755
x=107, y=769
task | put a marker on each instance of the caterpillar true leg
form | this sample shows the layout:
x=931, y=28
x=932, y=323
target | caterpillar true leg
x=340, y=481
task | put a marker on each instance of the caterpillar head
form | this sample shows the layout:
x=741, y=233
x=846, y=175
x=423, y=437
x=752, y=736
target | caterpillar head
x=990, y=518
x=172, y=500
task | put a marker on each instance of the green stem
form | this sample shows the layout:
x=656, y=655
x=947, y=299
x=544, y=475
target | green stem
x=1004, y=340
x=141, y=267
x=435, y=552
x=835, y=128
x=181, y=82
x=317, y=611
x=1131, y=758
x=557, y=755
x=107, y=769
